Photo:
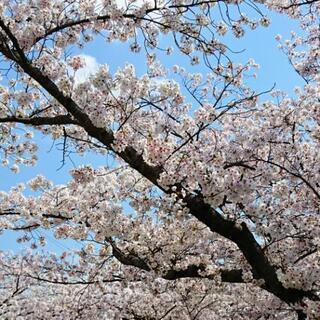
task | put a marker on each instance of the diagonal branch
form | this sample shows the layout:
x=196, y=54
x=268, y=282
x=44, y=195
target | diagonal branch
x=244, y=239
x=297, y=175
x=192, y=271
x=132, y=16
x=39, y=121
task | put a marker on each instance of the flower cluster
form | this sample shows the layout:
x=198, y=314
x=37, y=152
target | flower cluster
x=214, y=192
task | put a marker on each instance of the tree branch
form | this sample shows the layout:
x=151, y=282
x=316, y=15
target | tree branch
x=192, y=271
x=39, y=121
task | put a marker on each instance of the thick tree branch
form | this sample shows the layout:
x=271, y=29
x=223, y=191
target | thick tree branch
x=192, y=271
x=244, y=239
x=131, y=156
x=40, y=121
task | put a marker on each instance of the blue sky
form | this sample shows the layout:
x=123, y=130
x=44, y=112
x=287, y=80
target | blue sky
x=259, y=44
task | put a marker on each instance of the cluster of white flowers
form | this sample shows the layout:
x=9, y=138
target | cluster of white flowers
x=254, y=164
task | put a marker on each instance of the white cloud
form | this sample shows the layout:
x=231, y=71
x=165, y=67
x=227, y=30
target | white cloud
x=91, y=66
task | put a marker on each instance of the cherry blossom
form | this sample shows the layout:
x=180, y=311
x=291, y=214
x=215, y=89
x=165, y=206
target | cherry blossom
x=210, y=209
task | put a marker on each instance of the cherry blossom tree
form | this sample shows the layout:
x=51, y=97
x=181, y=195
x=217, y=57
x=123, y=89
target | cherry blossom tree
x=222, y=181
